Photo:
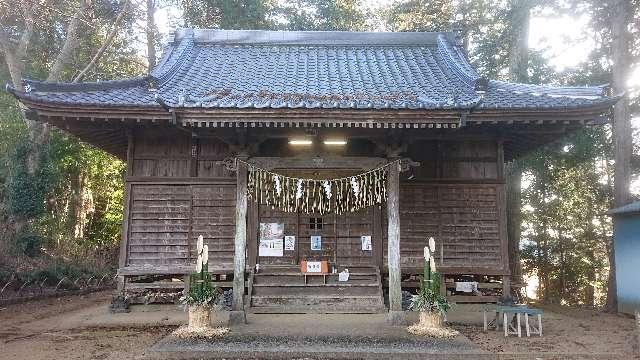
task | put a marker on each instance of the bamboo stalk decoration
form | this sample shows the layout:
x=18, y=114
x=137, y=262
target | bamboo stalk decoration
x=339, y=195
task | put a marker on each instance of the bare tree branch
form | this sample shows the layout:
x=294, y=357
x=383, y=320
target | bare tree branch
x=70, y=44
x=106, y=44
x=15, y=57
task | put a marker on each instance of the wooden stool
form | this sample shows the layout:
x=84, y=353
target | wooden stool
x=510, y=311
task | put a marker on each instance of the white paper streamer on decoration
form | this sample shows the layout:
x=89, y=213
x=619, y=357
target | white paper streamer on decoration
x=432, y=244
x=205, y=254
x=299, y=189
x=276, y=179
x=427, y=255
x=327, y=188
x=355, y=186
x=336, y=195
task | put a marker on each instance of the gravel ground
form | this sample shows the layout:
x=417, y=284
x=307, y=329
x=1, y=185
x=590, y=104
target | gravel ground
x=248, y=346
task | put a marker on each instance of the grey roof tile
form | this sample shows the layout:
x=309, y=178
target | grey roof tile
x=258, y=69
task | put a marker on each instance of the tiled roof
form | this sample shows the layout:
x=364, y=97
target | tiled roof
x=264, y=69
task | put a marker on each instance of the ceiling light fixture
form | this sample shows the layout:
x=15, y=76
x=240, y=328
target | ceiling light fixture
x=335, y=142
x=300, y=142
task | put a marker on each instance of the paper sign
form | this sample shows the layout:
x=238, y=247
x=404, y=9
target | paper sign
x=289, y=242
x=314, y=266
x=316, y=242
x=366, y=242
x=271, y=247
x=271, y=239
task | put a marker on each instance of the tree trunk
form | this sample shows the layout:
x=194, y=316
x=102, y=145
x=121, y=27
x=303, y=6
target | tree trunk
x=623, y=145
x=514, y=220
x=71, y=42
x=151, y=34
x=518, y=72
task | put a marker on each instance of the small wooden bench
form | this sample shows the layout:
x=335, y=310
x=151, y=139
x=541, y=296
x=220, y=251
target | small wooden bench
x=509, y=329
x=324, y=276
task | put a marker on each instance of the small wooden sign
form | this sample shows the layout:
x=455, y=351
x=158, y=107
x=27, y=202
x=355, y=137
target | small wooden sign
x=314, y=267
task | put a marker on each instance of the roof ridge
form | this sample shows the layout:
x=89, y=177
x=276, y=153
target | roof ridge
x=47, y=86
x=552, y=90
x=166, y=69
x=456, y=63
x=279, y=37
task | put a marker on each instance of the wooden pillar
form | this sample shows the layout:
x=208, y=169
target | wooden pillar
x=239, y=258
x=393, y=240
x=506, y=287
x=124, y=244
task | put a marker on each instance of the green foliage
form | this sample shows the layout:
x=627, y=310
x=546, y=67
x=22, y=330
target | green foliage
x=58, y=270
x=420, y=15
x=27, y=190
x=429, y=297
x=322, y=15
x=228, y=14
x=201, y=291
x=28, y=243
x=272, y=15
x=566, y=233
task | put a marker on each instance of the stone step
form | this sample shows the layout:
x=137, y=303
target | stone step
x=316, y=302
x=324, y=309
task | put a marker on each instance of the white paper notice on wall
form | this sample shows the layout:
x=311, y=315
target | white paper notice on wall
x=271, y=239
x=316, y=242
x=314, y=266
x=289, y=242
x=366, y=242
x=271, y=247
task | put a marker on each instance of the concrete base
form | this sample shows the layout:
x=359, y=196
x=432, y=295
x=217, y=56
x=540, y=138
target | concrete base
x=397, y=318
x=238, y=317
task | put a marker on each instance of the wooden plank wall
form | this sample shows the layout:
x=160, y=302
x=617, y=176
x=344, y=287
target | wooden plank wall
x=350, y=228
x=159, y=225
x=464, y=220
x=166, y=220
x=456, y=197
x=179, y=189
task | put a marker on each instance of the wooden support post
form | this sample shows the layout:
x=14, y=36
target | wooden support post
x=506, y=286
x=393, y=242
x=239, y=258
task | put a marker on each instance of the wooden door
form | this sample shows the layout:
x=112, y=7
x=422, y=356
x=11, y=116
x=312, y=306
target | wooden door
x=351, y=228
x=313, y=227
x=340, y=235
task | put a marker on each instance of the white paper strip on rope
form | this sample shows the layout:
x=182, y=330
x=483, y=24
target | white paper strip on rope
x=339, y=195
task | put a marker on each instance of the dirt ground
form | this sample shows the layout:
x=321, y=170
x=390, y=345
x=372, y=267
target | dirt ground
x=33, y=331
x=65, y=328
x=566, y=331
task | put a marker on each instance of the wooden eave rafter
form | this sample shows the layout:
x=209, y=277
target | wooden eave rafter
x=104, y=126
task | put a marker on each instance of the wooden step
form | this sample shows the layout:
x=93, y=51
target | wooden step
x=283, y=291
x=311, y=279
x=316, y=285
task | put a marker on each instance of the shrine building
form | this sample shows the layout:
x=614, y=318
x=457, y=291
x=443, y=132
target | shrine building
x=297, y=155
